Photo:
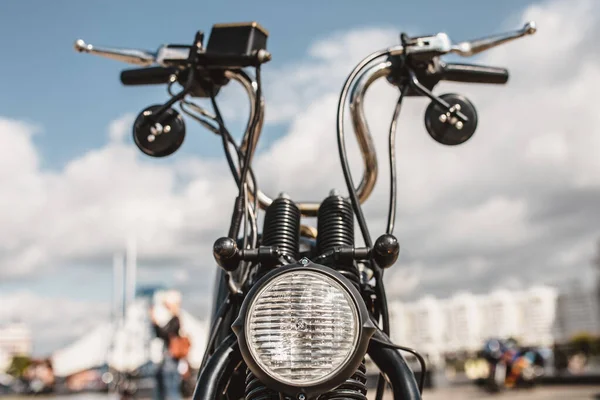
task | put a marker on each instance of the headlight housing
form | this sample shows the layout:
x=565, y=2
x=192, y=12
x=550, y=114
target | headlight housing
x=303, y=328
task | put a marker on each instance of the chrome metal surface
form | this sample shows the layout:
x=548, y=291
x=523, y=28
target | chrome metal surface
x=308, y=231
x=251, y=88
x=470, y=48
x=361, y=129
x=131, y=56
x=171, y=53
x=436, y=44
x=307, y=209
x=362, y=132
x=395, y=50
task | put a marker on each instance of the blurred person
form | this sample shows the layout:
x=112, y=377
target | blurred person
x=168, y=378
x=521, y=369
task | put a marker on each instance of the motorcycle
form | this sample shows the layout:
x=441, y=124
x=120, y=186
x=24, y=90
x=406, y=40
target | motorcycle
x=510, y=366
x=296, y=309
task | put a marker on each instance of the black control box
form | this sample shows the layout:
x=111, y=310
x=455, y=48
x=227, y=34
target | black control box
x=241, y=39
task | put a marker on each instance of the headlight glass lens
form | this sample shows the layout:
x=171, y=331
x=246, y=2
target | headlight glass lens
x=302, y=327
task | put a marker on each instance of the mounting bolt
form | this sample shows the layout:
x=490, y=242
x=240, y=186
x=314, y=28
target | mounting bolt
x=459, y=125
x=304, y=261
x=443, y=118
x=263, y=56
x=157, y=129
x=301, y=396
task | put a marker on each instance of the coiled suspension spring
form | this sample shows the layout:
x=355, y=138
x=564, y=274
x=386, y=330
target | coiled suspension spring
x=354, y=388
x=255, y=390
x=335, y=226
x=282, y=226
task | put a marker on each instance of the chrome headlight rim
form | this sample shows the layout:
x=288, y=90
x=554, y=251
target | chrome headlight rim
x=365, y=328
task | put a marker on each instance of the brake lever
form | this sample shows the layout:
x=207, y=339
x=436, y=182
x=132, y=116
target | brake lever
x=470, y=48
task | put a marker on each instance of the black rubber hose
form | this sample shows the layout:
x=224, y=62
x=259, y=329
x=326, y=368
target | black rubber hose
x=391, y=363
x=218, y=370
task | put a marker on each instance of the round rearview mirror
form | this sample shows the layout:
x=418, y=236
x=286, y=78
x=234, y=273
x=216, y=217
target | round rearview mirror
x=446, y=128
x=159, y=136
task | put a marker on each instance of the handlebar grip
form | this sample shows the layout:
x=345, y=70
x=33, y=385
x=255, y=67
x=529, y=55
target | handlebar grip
x=146, y=76
x=472, y=73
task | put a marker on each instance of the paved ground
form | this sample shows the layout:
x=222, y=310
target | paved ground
x=451, y=393
x=546, y=393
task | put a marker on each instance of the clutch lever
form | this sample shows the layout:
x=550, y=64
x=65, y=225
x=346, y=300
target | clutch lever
x=131, y=56
x=470, y=48
x=166, y=55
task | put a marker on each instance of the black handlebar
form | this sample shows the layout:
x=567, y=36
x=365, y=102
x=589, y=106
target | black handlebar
x=468, y=73
x=471, y=73
x=147, y=76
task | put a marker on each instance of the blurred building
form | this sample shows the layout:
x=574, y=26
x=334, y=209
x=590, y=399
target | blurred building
x=422, y=325
x=464, y=322
x=578, y=312
x=538, y=316
x=15, y=340
x=538, y=307
x=501, y=314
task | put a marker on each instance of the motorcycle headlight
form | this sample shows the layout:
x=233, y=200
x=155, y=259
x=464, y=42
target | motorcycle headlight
x=303, y=329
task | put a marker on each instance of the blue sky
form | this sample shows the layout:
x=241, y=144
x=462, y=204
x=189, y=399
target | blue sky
x=458, y=211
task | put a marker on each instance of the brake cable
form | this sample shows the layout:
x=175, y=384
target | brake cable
x=380, y=290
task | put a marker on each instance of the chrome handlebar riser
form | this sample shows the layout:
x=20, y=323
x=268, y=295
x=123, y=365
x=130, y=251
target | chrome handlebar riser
x=363, y=136
x=361, y=128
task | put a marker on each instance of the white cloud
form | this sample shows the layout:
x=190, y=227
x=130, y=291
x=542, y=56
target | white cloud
x=548, y=148
x=497, y=222
x=294, y=88
x=88, y=209
x=119, y=128
x=493, y=211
